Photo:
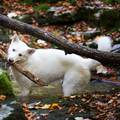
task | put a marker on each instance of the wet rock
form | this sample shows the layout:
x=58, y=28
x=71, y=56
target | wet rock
x=116, y=48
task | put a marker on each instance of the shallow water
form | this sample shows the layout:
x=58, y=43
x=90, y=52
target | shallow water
x=5, y=111
x=12, y=110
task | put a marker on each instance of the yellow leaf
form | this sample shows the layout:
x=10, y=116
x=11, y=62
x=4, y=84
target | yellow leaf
x=54, y=106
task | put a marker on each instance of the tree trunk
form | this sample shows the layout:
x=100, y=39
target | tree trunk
x=103, y=57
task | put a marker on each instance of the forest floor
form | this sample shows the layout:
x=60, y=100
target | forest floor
x=100, y=101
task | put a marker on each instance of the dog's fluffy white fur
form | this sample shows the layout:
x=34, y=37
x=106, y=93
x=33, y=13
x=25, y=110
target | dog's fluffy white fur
x=104, y=43
x=50, y=65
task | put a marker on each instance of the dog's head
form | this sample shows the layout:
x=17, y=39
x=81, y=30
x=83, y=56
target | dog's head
x=18, y=50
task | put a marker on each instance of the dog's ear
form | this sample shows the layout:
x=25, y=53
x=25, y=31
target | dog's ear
x=15, y=38
x=31, y=51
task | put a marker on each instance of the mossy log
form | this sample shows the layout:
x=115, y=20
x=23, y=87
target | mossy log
x=82, y=13
x=106, y=17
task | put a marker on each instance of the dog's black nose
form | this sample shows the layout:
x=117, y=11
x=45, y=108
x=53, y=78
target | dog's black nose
x=10, y=60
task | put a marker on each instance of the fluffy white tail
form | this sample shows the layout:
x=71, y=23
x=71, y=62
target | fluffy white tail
x=104, y=44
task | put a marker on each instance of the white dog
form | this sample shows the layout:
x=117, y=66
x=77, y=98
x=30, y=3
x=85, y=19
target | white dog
x=50, y=65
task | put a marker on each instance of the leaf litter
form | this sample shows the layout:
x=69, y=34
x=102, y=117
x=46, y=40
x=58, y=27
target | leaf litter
x=96, y=106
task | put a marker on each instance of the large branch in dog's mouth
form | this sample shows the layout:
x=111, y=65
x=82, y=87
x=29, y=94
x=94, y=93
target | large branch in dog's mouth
x=26, y=73
x=29, y=75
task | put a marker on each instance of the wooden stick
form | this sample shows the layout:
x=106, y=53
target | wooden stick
x=26, y=73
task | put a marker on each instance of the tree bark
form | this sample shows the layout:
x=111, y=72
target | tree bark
x=103, y=57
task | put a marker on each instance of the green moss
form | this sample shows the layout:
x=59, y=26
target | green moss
x=72, y=1
x=5, y=84
x=43, y=7
x=26, y=2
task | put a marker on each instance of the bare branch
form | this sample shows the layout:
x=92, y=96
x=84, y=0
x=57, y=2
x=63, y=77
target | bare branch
x=103, y=57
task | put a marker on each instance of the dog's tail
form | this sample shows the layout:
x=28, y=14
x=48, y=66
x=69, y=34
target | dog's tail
x=104, y=44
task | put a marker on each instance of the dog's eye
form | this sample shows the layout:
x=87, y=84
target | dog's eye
x=13, y=50
x=20, y=54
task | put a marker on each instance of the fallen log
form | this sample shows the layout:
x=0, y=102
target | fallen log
x=26, y=73
x=93, y=15
x=103, y=57
x=88, y=34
